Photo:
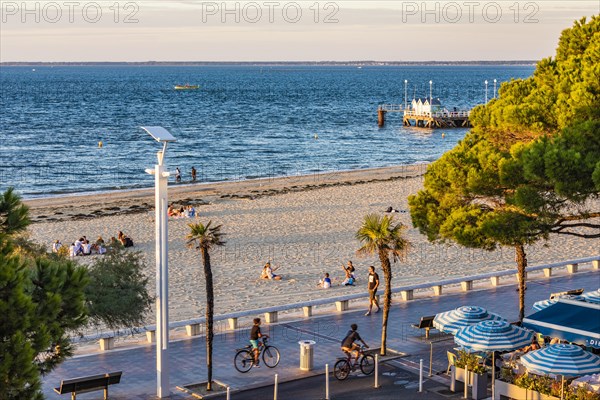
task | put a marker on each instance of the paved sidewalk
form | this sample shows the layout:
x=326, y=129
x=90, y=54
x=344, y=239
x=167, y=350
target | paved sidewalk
x=187, y=360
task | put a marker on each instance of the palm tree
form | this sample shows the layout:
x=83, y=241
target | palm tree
x=380, y=236
x=204, y=238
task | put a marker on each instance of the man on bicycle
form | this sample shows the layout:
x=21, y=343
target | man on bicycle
x=255, y=335
x=348, y=345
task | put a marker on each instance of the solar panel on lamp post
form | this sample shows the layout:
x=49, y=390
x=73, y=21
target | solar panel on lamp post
x=161, y=178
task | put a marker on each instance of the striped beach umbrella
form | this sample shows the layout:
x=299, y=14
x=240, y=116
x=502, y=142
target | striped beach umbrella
x=452, y=321
x=540, y=305
x=592, y=297
x=561, y=359
x=493, y=336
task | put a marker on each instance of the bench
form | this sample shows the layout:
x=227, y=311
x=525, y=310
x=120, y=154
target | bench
x=88, y=384
x=575, y=292
x=425, y=323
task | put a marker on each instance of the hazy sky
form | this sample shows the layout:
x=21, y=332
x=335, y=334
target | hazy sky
x=121, y=30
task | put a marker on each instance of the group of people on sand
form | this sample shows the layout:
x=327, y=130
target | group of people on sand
x=83, y=247
x=349, y=279
x=182, y=212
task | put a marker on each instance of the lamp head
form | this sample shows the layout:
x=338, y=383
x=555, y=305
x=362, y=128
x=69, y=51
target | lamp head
x=159, y=134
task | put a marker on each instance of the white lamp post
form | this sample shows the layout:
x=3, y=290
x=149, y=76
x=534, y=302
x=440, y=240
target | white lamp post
x=405, y=94
x=486, y=91
x=161, y=178
x=430, y=92
x=495, y=80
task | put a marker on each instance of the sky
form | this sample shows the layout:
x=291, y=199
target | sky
x=343, y=30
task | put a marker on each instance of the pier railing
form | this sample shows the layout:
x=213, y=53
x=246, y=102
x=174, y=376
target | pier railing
x=342, y=303
x=439, y=114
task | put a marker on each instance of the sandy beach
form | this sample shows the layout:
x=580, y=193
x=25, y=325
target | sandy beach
x=304, y=224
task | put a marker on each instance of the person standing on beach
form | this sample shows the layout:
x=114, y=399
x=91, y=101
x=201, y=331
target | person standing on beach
x=193, y=174
x=177, y=175
x=373, y=285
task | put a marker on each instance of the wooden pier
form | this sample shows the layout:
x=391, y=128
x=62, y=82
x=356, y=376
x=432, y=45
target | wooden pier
x=425, y=119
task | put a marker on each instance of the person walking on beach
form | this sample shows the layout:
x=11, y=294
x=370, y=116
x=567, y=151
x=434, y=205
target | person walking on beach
x=193, y=174
x=373, y=285
x=177, y=175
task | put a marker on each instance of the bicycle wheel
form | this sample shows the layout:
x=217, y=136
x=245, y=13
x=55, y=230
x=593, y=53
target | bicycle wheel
x=243, y=360
x=367, y=364
x=270, y=356
x=341, y=370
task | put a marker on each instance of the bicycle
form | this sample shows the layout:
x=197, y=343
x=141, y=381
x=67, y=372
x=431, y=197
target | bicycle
x=344, y=366
x=244, y=357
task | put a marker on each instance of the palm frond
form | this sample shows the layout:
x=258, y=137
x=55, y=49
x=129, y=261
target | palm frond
x=380, y=233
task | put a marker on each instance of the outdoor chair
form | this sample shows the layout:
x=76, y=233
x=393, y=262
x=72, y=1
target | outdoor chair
x=451, y=361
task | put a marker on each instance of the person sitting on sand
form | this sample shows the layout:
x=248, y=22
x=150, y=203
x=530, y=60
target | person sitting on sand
x=349, y=280
x=267, y=272
x=171, y=211
x=99, y=246
x=350, y=271
x=325, y=283
x=78, y=250
x=125, y=240
x=114, y=242
x=56, y=246
x=72, y=250
x=191, y=211
x=87, y=248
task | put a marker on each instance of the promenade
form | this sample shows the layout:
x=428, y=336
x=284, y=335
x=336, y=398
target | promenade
x=187, y=356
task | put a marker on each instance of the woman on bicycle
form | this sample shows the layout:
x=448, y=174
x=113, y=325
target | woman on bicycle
x=348, y=345
x=255, y=335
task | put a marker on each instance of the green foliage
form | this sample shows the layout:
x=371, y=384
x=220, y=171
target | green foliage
x=531, y=164
x=117, y=294
x=14, y=215
x=550, y=387
x=205, y=236
x=562, y=91
x=381, y=234
x=41, y=301
x=470, y=360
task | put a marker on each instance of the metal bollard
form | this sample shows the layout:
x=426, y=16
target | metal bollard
x=466, y=381
x=275, y=388
x=431, y=360
x=421, y=376
x=376, y=371
x=326, y=381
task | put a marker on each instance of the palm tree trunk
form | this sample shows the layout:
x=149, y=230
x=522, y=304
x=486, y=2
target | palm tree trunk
x=521, y=259
x=387, y=297
x=210, y=304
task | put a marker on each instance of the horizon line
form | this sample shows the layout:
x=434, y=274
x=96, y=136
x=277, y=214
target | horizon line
x=331, y=62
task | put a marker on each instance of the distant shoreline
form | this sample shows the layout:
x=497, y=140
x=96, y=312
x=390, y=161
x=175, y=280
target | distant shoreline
x=271, y=63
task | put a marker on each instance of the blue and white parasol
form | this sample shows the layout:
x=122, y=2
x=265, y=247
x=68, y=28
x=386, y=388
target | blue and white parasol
x=452, y=321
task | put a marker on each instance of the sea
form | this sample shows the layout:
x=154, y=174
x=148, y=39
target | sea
x=244, y=122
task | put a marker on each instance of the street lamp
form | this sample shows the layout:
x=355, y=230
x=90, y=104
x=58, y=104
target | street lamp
x=486, y=91
x=430, y=92
x=495, y=80
x=161, y=178
x=405, y=94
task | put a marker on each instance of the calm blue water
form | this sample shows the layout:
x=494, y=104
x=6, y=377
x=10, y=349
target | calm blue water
x=245, y=122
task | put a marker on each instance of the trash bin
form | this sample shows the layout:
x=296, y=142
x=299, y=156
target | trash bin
x=306, y=354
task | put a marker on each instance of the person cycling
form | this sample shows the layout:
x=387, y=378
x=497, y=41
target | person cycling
x=348, y=343
x=255, y=335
